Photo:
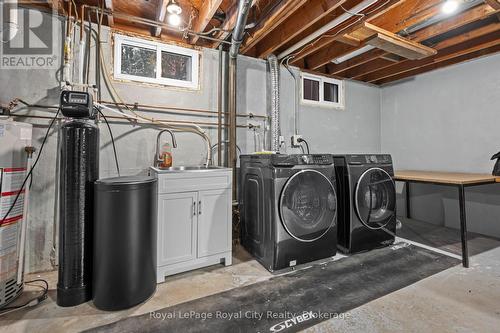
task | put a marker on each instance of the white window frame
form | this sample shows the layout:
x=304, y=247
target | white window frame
x=322, y=79
x=158, y=47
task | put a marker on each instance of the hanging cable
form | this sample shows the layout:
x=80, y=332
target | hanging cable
x=300, y=140
x=32, y=302
x=112, y=140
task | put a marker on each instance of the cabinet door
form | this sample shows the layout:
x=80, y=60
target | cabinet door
x=214, y=222
x=176, y=227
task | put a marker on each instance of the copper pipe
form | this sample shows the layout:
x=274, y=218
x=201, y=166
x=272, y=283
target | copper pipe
x=211, y=124
x=152, y=23
x=164, y=107
x=68, y=28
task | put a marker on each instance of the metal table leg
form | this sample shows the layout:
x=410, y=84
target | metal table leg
x=407, y=185
x=463, y=225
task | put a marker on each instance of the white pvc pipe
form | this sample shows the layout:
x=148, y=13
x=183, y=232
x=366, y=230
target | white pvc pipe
x=24, y=226
x=81, y=61
x=194, y=128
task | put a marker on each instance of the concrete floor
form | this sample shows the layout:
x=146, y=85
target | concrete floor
x=455, y=300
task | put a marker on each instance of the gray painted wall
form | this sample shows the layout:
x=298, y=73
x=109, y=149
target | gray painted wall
x=447, y=120
x=357, y=128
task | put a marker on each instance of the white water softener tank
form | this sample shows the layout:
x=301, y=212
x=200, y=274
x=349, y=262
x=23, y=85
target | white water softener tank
x=14, y=138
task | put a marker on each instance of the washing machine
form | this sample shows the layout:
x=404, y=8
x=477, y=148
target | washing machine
x=288, y=208
x=367, y=202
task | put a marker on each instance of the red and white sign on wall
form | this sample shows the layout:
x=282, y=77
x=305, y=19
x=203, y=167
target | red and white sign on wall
x=11, y=180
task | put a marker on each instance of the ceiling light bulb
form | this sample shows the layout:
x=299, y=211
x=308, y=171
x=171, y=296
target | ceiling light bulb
x=174, y=8
x=174, y=20
x=449, y=6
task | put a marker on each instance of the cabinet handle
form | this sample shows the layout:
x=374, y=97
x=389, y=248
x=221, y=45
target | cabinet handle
x=199, y=207
x=194, y=208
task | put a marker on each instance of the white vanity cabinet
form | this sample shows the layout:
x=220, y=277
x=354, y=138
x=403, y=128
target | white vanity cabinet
x=194, y=220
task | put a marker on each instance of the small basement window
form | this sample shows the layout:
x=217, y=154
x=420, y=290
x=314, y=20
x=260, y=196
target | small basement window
x=152, y=62
x=322, y=91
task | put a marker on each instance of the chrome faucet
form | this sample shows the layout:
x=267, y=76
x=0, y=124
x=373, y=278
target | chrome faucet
x=157, y=159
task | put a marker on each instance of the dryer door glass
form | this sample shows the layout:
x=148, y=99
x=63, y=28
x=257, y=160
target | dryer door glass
x=375, y=198
x=308, y=205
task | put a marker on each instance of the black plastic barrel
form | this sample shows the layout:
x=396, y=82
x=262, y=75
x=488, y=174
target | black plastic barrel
x=79, y=168
x=124, y=241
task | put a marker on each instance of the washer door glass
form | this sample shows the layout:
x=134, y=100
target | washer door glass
x=308, y=205
x=375, y=198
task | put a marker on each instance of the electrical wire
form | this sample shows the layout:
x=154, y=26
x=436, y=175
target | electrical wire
x=32, y=302
x=32, y=167
x=307, y=145
x=112, y=140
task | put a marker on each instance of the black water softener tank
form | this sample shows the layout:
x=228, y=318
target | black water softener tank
x=79, y=168
x=124, y=241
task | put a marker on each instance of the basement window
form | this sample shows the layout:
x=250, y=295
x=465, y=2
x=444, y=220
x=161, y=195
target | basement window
x=152, y=62
x=322, y=91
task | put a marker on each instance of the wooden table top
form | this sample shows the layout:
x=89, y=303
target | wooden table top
x=445, y=177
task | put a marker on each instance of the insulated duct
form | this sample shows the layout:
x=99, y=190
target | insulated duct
x=236, y=40
x=274, y=70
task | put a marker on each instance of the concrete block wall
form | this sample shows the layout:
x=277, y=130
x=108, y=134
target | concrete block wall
x=357, y=128
x=446, y=120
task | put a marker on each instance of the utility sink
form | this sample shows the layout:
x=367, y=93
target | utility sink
x=197, y=168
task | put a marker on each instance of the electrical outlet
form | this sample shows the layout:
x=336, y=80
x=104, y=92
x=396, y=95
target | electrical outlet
x=281, y=140
x=295, y=140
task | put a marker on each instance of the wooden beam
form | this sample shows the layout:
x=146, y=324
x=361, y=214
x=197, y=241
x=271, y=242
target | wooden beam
x=349, y=40
x=276, y=17
x=475, y=14
x=228, y=24
x=469, y=46
x=207, y=11
x=109, y=5
x=407, y=14
x=495, y=4
x=344, y=29
x=161, y=13
x=442, y=64
x=375, y=36
x=327, y=54
x=377, y=64
x=309, y=14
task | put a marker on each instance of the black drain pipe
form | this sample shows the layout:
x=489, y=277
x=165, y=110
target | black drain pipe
x=237, y=39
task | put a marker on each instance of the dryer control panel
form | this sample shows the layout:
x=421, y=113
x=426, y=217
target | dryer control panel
x=306, y=159
x=369, y=159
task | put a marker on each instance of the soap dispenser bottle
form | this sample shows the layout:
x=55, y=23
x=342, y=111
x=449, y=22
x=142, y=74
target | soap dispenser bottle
x=166, y=156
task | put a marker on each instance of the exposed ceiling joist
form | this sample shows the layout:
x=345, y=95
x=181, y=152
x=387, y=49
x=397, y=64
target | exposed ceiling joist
x=377, y=64
x=207, y=11
x=309, y=14
x=466, y=47
x=474, y=14
x=345, y=28
x=442, y=64
x=279, y=14
x=495, y=4
x=375, y=36
x=161, y=13
x=412, y=12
